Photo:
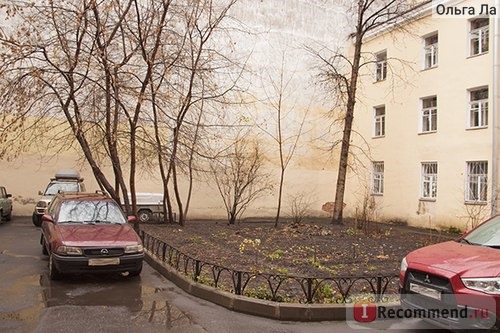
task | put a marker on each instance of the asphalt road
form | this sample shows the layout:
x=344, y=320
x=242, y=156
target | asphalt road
x=30, y=302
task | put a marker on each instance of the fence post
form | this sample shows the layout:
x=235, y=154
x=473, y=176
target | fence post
x=164, y=252
x=196, y=270
x=309, y=290
x=237, y=290
x=379, y=289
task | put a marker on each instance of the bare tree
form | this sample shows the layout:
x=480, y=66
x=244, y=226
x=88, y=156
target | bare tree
x=299, y=204
x=475, y=214
x=366, y=210
x=239, y=176
x=197, y=79
x=477, y=209
x=55, y=49
x=280, y=83
x=341, y=72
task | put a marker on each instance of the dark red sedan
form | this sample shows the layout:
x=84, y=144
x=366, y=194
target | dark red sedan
x=456, y=284
x=88, y=233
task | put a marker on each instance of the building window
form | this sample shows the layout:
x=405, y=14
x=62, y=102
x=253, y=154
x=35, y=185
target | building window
x=429, y=180
x=478, y=108
x=429, y=115
x=379, y=121
x=431, y=51
x=479, y=36
x=378, y=178
x=477, y=182
x=381, y=66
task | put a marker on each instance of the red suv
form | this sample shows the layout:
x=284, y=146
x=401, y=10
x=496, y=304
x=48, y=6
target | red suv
x=456, y=284
x=88, y=232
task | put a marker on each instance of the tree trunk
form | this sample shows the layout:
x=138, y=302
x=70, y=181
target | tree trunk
x=338, y=207
x=280, y=194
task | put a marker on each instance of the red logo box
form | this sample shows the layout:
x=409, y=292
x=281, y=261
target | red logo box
x=365, y=312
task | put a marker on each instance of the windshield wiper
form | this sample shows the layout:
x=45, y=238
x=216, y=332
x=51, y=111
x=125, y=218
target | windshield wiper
x=101, y=221
x=463, y=240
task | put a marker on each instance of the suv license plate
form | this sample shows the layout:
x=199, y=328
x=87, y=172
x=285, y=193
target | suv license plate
x=104, y=261
x=429, y=292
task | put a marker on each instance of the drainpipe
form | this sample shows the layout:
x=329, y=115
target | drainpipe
x=494, y=157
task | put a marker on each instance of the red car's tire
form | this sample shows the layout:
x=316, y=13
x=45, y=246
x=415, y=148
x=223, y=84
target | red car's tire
x=54, y=273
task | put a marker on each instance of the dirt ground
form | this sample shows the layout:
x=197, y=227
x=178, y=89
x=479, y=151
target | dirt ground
x=313, y=248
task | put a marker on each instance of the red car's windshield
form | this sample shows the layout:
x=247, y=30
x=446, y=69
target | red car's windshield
x=90, y=211
x=487, y=234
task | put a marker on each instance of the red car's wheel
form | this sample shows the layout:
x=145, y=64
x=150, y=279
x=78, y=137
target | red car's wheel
x=54, y=273
x=44, y=249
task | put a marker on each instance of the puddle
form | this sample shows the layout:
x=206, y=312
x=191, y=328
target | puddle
x=92, y=291
x=158, y=310
x=147, y=305
x=30, y=299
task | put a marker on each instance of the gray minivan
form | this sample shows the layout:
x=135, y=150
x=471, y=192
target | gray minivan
x=5, y=204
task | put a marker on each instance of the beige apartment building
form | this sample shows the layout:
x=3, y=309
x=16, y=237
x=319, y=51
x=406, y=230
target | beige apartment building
x=427, y=119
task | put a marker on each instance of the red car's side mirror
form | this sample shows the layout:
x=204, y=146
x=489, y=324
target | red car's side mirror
x=47, y=218
x=131, y=219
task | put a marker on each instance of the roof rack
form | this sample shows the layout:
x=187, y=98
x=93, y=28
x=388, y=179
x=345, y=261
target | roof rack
x=67, y=174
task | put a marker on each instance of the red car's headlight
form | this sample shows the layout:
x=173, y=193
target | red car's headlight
x=485, y=285
x=69, y=250
x=404, y=265
x=137, y=248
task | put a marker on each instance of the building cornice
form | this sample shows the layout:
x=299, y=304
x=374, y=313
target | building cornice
x=421, y=10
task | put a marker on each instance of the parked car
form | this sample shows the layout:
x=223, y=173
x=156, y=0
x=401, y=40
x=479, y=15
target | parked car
x=88, y=232
x=64, y=181
x=461, y=275
x=5, y=204
x=149, y=206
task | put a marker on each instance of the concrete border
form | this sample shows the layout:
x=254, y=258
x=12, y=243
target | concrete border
x=253, y=306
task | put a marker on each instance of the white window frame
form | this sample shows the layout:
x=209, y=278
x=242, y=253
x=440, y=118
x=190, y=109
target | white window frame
x=478, y=108
x=380, y=66
x=476, y=183
x=428, y=115
x=431, y=51
x=479, y=36
x=379, y=121
x=428, y=180
x=378, y=178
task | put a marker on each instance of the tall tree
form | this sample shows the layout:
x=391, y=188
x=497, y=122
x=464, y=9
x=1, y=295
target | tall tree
x=341, y=71
x=287, y=121
x=55, y=49
x=198, y=80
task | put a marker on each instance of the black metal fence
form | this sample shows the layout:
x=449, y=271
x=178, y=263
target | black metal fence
x=275, y=287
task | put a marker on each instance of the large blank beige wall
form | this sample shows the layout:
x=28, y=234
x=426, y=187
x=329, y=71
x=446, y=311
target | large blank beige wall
x=266, y=30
